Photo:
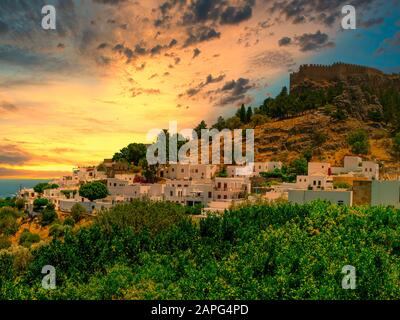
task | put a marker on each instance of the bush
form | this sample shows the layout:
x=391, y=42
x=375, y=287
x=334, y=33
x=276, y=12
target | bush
x=139, y=215
x=27, y=238
x=77, y=212
x=5, y=242
x=41, y=187
x=56, y=231
x=341, y=185
x=40, y=203
x=8, y=221
x=20, y=204
x=195, y=210
x=93, y=191
x=69, y=222
x=358, y=141
x=48, y=215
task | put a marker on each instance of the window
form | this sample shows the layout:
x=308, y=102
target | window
x=210, y=194
x=171, y=193
x=225, y=197
x=314, y=183
x=340, y=202
x=219, y=196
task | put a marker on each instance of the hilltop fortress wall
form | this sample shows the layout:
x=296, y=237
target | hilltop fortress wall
x=334, y=72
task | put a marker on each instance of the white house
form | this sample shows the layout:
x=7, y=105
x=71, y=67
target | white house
x=188, y=192
x=130, y=178
x=252, y=169
x=319, y=168
x=181, y=171
x=321, y=182
x=231, y=188
x=386, y=193
x=356, y=166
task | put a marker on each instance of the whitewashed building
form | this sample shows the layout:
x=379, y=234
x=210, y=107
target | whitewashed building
x=335, y=197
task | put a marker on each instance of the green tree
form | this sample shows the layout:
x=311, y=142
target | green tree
x=20, y=204
x=39, y=204
x=396, y=145
x=241, y=114
x=258, y=120
x=249, y=114
x=27, y=238
x=48, y=216
x=201, y=126
x=8, y=221
x=77, y=212
x=220, y=124
x=133, y=153
x=40, y=187
x=93, y=190
x=149, y=171
x=358, y=141
x=233, y=123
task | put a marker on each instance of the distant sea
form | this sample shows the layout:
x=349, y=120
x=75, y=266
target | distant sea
x=9, y=187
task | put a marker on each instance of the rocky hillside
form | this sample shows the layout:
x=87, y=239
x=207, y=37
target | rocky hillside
x=285, y=140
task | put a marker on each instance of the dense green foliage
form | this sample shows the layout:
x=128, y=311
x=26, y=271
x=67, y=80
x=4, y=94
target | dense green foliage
x=48, y=215
x=8, y=221
x=288, y=173
x=151, y=250
x=77, y=212
x=40, y=203
x=7, y=202
x=27, y=238
x=132, y=154
x=358, y=141
x=93, y=190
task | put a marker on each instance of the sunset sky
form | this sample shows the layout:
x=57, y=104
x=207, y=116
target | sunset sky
x=114, y=69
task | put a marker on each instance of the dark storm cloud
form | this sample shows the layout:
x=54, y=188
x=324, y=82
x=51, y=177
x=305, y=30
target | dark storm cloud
x=203, y=12
x=313, y=41
x=234, y=92
x=235, y=15
x=102, y=46
x=323, y=11
x=284, y=41
x=225, y=12
x=201, y=34
x=156, y=50
x=209, y=80
x=196, y=53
